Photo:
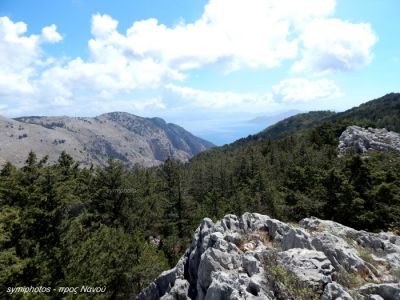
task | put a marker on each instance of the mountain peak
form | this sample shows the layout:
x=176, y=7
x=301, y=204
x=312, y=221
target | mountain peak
x=120, y=135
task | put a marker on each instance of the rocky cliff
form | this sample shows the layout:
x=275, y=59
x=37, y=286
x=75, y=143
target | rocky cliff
x=362, y=140
x=118, y=135
x=257, y=257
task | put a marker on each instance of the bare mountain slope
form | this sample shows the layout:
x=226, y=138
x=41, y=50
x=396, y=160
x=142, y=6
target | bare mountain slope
x=129, y=138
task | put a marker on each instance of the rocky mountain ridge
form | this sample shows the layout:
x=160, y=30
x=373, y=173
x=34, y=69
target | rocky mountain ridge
x=258, y=257
x=361, y=140
x=123, y=136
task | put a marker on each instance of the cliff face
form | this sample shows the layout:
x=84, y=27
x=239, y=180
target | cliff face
x=129, y=138
x=362, y=140
x=257, y=257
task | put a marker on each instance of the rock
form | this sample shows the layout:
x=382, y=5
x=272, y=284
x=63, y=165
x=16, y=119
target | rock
x=296, y=238
x=251, y=264
x=334, y=291
x=160, y=287
x=277, y=229
x=178, y=292
x=213, y=260
x=387, y=291
x=339, y=253
x=374, y=297
x=236, y=257
x=362, y=140
x=316, y=225
x=310, y=266
x=386, y=244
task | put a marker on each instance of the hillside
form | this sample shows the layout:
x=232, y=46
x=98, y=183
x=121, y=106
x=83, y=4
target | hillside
x=383, y=112
x=126, y=137
x=294, y=124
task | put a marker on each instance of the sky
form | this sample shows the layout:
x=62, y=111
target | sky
x=219, y=68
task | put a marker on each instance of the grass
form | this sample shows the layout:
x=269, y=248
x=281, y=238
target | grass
x=349, y=280
x=366, y=255
x=320, y=228
x=356, y=296
x=294, y=224
x=287, y=284
x=396, y=274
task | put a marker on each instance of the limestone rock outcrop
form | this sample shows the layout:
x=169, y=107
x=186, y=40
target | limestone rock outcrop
x=361, y=140
x=257, y=257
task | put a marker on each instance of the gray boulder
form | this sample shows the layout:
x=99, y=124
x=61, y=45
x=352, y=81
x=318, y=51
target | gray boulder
x=339, y=253
x=296, y=238
x=387, y=291
x=310, y=266
x=362, y=140
x=334, y=291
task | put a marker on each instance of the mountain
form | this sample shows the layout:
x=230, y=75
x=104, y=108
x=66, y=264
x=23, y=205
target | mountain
x=129, y=138
x=258, y=257
x=383, y=112
x=294, y=124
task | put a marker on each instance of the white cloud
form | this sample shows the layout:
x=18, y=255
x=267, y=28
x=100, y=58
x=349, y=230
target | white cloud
x=103, y=26
x=301, y=90
x=333, y=44
x=135, y=105
x=50, y=34
x=234, y=34
x=111, y=69
x=238, y=33
x=214, y=100
x=27, y=73
x=288, y=91
x=20, y=56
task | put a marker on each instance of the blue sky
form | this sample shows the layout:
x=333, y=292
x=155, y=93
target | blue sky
x=210, y=66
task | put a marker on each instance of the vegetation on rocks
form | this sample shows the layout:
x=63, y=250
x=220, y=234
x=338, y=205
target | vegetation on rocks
x=287, y=284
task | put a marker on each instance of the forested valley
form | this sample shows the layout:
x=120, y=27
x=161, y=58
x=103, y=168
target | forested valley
x=64, y=225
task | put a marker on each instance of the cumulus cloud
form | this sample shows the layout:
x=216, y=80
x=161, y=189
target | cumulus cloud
x=50, y=34
x=20, y=56
x=333, y=44
x=288, y=91
x=31, y=80
x=237, y=33
x=257, y=34
x=301, y=90
x=233, y=34
x=207, y=99
x=110, y=70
